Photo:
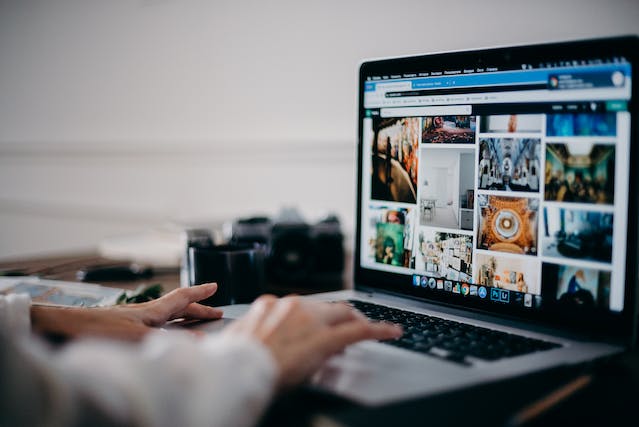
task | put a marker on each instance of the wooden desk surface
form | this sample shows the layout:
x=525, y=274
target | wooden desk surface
x=66, y=267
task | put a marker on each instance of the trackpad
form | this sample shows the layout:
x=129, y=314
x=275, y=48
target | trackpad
x=368, y=374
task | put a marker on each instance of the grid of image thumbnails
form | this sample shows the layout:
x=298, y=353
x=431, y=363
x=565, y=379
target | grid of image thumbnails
x=514, y=209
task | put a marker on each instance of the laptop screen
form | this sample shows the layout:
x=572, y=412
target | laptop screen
x=500, y=179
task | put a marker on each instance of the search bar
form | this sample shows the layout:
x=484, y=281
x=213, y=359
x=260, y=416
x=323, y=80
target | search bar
x=440, y=110
x=385, y=87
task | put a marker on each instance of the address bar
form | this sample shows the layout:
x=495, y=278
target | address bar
x=441, y=110
x=394, y=86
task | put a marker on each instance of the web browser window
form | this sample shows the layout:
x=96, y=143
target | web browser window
x=508, y=186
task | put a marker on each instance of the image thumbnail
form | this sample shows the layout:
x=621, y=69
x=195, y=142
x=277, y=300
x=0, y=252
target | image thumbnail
x=577, y=234
x=578, y=286
x=389, y=245
x=389, y=235
x=508, y=224
x=509, y=164
x=449, y=129
x=446, y=178
x=444, y=255
x=580, y=172
x=581, y=124
x=514, y=274
x=510, y=123
x=395, y=159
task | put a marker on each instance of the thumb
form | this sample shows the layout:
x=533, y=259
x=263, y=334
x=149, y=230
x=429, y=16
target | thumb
x=199, y=292
x=179, y=299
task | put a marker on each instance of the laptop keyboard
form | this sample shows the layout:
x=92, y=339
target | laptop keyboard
x=451, y=340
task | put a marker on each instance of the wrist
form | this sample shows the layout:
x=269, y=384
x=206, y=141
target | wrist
x=52, y=322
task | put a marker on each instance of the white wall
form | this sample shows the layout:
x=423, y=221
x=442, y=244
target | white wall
x=454, y=184
x=466, y=174
x=440, y=167
x=121, y=115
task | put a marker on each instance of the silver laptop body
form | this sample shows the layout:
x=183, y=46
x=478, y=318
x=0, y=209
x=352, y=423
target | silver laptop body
x=502, y=169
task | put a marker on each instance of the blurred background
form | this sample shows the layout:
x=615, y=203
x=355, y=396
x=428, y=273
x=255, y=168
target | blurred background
x=125, y=117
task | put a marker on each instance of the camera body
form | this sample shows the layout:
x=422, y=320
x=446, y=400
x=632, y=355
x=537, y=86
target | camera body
x=297, y=253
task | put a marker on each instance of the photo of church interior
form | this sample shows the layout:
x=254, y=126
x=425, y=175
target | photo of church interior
x=508, y=224
x=446, y=176
x=510, y=123
x=509, y=164
x=395, y=159
x=449, y=130
x=577, y=234
x=515, y=274
x=580, y=172
x=444, y=255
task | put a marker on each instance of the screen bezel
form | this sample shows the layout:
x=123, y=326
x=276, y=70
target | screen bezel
x=618, y=327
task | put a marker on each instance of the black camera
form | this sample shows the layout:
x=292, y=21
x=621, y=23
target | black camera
x=297, y=253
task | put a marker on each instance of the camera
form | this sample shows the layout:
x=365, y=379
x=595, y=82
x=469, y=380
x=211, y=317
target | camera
x=297, y=253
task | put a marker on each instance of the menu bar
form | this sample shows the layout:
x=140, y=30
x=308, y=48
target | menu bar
x=614, y=75
x=614, y=61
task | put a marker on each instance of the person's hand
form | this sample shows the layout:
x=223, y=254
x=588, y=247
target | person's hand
x=128, y=322
x=302, y=334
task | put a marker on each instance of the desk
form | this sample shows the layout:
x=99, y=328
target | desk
x=610, y=400
x=65, y=267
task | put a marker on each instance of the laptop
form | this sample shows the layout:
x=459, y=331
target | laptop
x=496, y=216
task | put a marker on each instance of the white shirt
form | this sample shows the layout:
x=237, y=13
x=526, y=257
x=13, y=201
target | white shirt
x=169, y=379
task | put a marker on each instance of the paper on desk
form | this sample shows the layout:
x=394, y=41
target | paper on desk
x=61, y=293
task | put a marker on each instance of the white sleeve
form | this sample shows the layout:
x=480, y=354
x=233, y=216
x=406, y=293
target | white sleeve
x=169, y=379
x=174, y=379
x=15, y=316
